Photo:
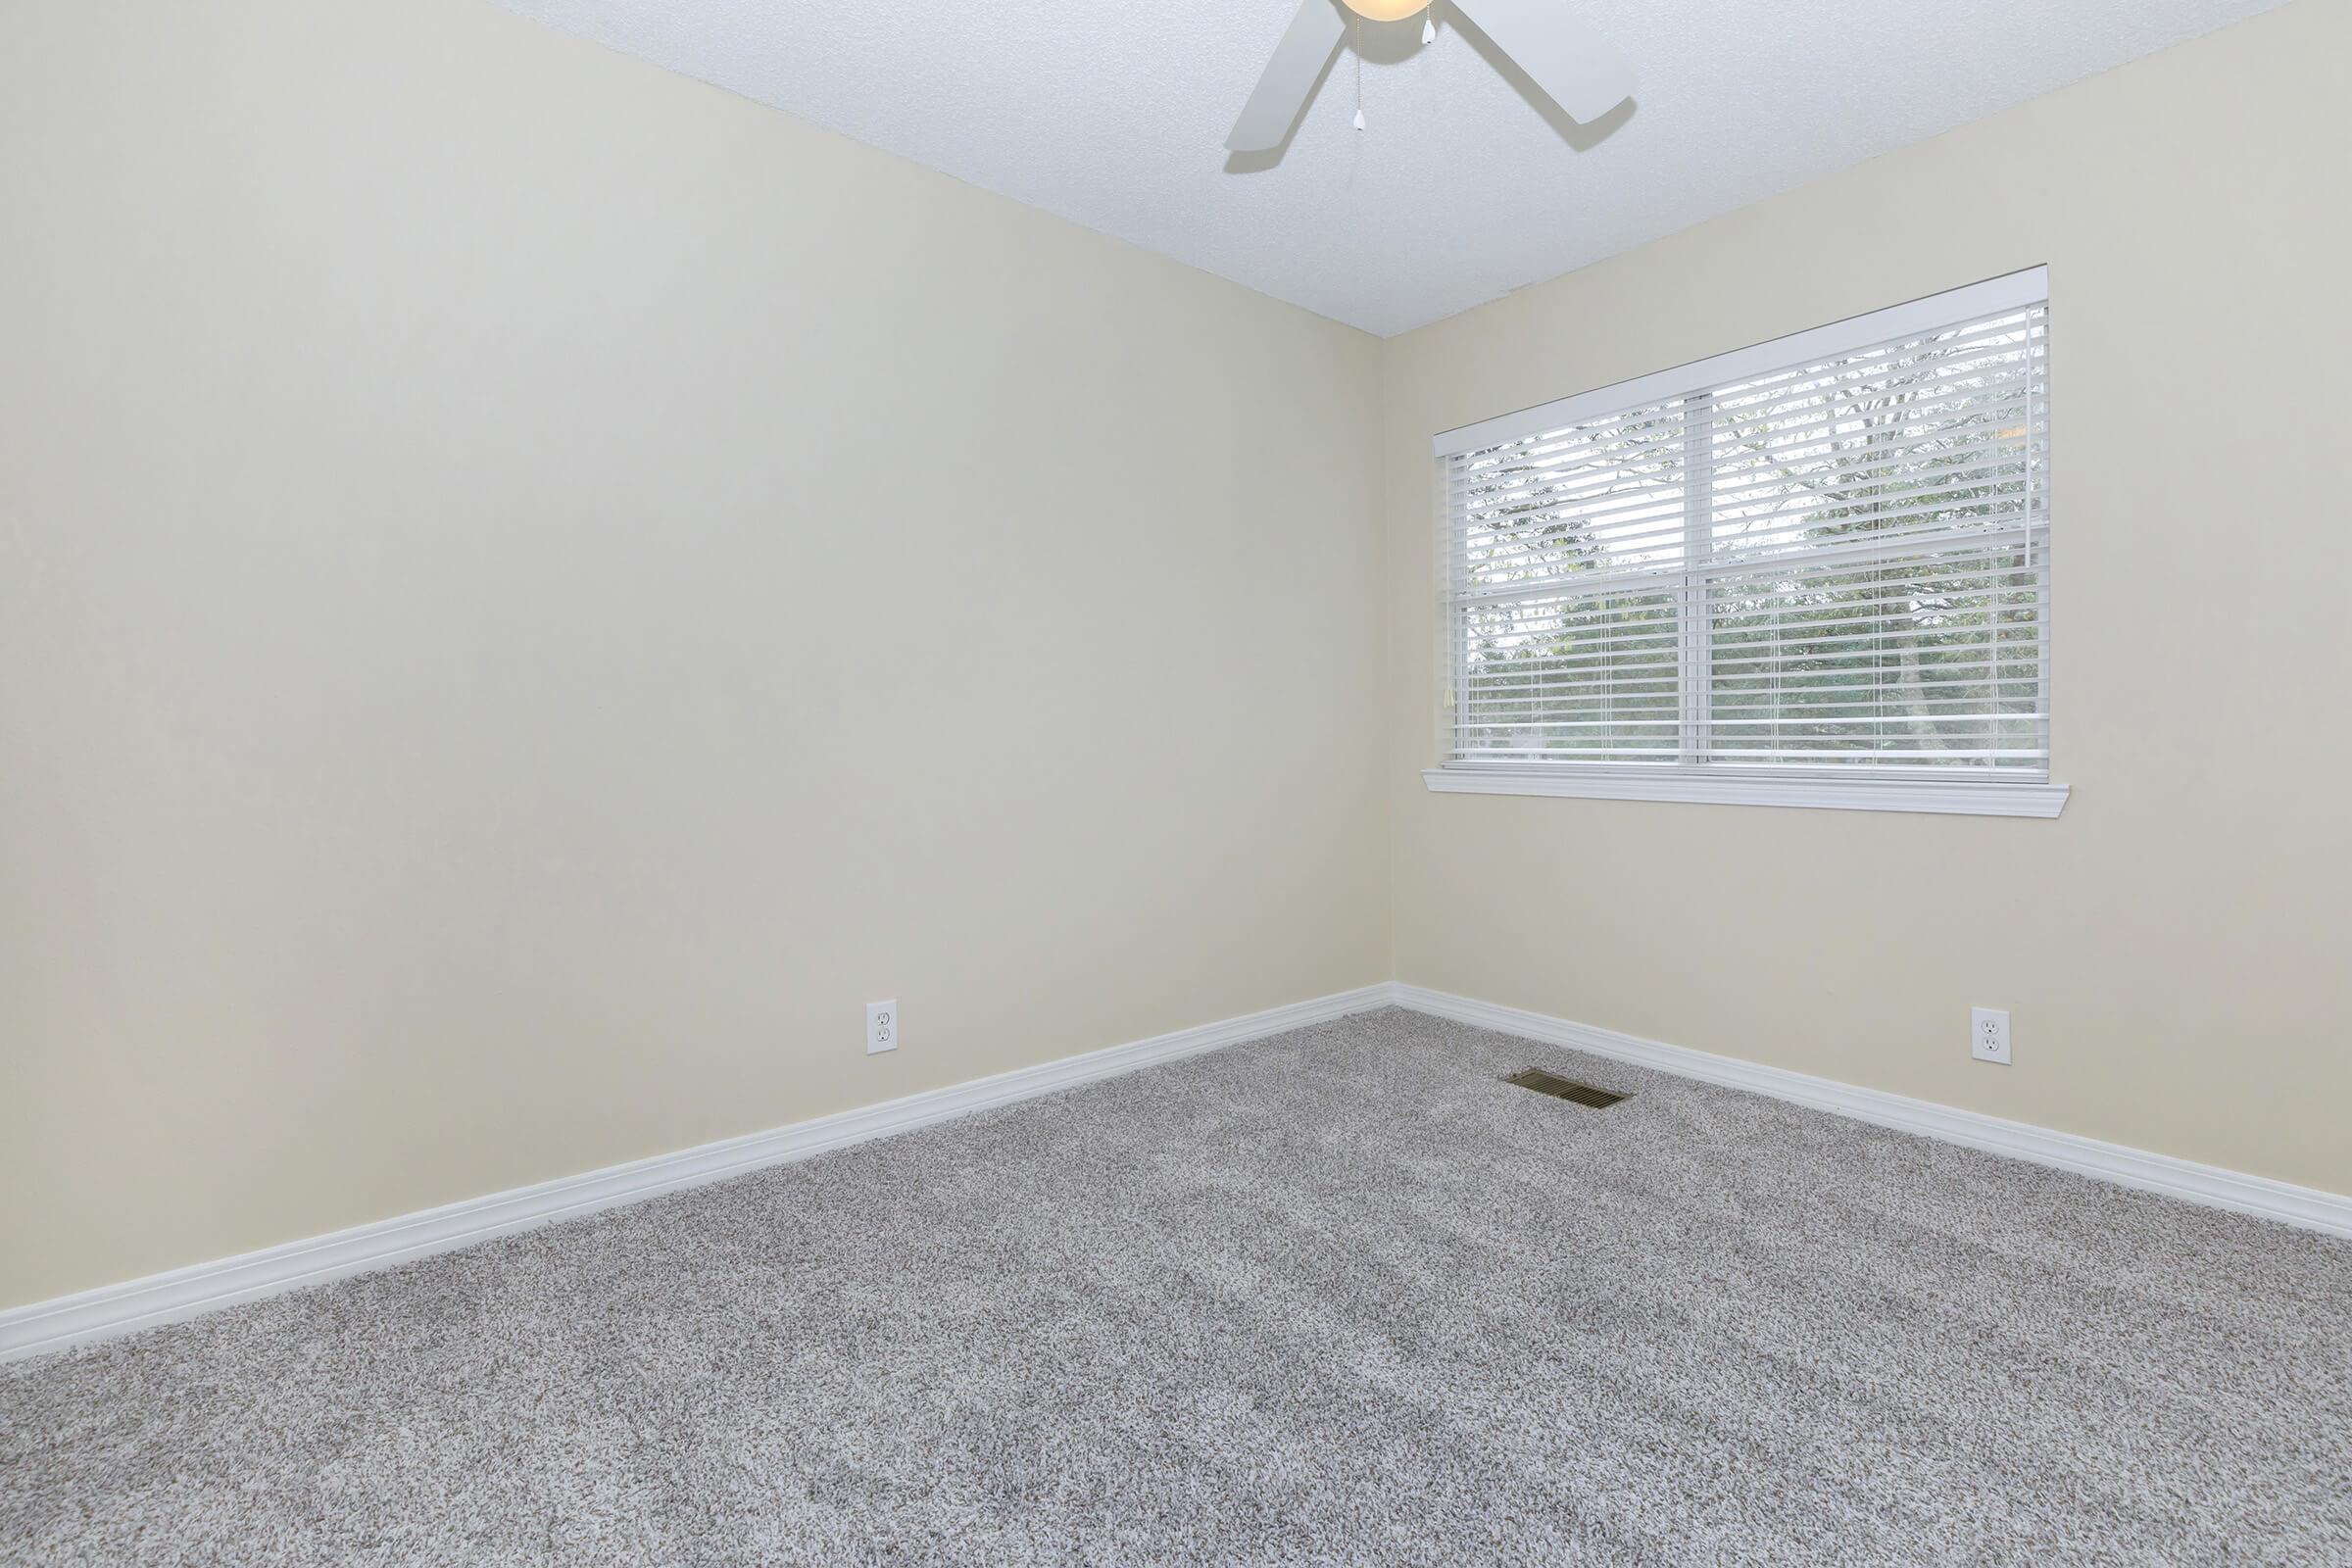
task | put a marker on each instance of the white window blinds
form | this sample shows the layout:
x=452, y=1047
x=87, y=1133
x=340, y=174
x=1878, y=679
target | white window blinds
x=1820, y=555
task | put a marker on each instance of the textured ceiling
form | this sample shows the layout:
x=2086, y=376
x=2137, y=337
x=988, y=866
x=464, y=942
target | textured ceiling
x=1466, y=183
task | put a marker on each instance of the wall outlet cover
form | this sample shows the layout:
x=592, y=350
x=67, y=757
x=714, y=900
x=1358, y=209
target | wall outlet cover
x=1988, y=1034
x=881, y=1027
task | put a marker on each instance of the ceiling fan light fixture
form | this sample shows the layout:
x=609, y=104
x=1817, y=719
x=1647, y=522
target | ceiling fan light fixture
x=1574, y=67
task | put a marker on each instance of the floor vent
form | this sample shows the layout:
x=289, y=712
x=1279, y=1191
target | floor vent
x=1546, y=1083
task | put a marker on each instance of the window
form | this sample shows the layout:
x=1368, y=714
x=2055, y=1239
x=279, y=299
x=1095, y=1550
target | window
x=1812, y=572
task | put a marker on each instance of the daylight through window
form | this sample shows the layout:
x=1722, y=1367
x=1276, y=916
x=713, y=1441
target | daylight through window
x=1821, y=555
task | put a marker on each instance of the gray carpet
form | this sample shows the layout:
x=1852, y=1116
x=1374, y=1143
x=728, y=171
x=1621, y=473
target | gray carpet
x=1340, y=1297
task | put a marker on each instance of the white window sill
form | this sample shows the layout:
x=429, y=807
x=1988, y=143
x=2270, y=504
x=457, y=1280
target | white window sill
x=1969, y=798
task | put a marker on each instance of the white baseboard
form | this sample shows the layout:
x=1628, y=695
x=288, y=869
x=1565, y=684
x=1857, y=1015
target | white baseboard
x=2306, y=1206
x=200, y=1287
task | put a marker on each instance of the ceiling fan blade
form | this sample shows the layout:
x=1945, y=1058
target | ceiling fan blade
x=1583, y=73
x=1281, y=92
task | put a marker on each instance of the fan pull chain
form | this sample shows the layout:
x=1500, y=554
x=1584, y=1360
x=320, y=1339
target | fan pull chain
x=1360, y=71
x=1429, y=24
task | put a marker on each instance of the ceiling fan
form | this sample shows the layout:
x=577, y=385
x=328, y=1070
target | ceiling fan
x=1576, y=67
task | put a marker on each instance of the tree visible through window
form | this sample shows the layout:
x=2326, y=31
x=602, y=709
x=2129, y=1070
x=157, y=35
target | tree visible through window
x=1840, y=562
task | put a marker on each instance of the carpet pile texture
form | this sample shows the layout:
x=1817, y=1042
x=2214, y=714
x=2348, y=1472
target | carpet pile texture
x=1342, y=1296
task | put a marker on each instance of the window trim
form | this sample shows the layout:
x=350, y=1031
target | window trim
x=1723, y=787
x=1848, y=787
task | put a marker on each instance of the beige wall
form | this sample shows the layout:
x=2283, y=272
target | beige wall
x=2172, y=947
x=530, y=589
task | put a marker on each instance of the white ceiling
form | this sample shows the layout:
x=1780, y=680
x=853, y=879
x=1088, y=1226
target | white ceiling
x=1466, y=183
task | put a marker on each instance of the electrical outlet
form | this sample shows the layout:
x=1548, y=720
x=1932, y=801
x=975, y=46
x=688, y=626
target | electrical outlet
x=881, y=1027
x=1988, y=1034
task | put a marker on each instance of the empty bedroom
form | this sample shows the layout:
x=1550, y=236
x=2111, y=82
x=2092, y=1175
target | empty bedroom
x=1286, y=782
